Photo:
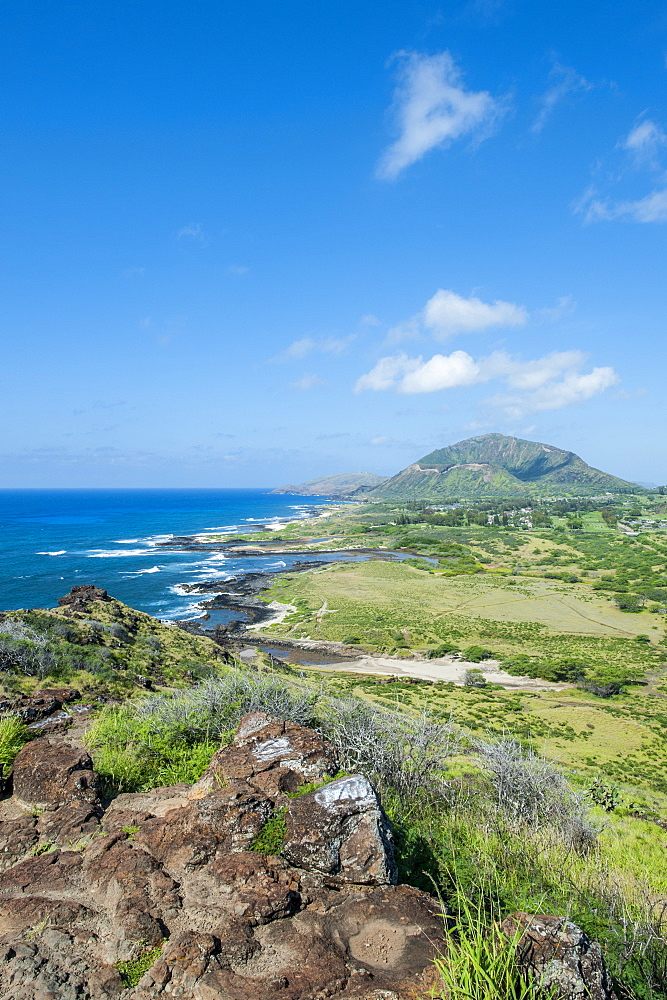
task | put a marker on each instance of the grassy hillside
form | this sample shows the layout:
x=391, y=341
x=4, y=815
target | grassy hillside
x=107, y=649
x=502, y=466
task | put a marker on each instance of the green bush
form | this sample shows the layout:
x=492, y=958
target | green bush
x=475, y=654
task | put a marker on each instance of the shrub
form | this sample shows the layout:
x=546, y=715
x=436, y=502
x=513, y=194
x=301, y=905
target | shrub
x=474, y=678
x=165, y=739
x=444, y=649
x=402, y=753
x=531, y=790
x=475, y=654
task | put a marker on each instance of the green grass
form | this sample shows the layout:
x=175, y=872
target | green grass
x=389, y=607
x=131, y=971
x=271, y=837
x=131, y=757
x=13, y=734
x=482, y=965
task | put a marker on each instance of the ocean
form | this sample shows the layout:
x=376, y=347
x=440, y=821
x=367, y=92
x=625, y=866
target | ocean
x=52, y=540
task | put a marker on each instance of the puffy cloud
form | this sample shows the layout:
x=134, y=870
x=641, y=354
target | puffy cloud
x=442, y=371
x=448, y=313
x=566, y=82
x=546, y=383
x=387, y=372
x=573, y=387
x=432, y=108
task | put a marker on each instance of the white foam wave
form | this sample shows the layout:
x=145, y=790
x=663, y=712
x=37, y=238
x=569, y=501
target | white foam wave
x=156, y=539
x=118, y=553
x=60, y=552
x=140, y=572
x=127, y=541
x=279, y=563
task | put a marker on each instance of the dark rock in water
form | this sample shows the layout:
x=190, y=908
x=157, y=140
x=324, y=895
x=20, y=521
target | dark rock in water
x=176, y=869
x=560, y=956
x=79, y=598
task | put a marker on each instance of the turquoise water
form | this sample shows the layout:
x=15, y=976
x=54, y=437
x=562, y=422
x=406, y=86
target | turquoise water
x=51, y=540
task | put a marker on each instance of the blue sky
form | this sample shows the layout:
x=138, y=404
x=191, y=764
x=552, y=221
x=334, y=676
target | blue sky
x=251, y=243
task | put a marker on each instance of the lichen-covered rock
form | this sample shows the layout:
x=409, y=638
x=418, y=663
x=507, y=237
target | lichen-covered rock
x=273, y=756
x=171, y=873
x=560, y=956
x=341, y=830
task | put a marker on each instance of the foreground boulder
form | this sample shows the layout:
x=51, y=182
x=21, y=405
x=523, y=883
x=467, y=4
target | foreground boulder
x=560, y=956
x=172, y=881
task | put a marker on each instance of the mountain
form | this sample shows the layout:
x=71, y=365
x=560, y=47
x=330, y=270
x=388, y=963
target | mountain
x=341, y=485
x=495, y=465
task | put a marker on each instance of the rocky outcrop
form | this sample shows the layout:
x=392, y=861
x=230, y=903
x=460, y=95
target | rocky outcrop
x=79, y=598
x=174, y=876
x=341, y=831
x=560, y=956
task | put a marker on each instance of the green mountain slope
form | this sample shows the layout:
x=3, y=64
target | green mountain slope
x=496, y=465
x=336, y=486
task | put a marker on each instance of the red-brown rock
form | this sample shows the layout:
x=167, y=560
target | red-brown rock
x=48, y=774
x=341, y=831
x=175, y=867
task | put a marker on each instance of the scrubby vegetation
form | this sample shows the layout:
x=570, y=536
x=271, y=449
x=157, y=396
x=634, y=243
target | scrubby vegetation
x=488, y=822
x=110, y=649
x=545, y=801
x=169, y=738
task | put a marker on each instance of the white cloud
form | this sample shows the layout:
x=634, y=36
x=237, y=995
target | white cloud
x=442, y=371
x=651, y=208
x=432, y=108
x=546, y=383
x=448, y=313
x=238, y=270
x=572, y=388
x=299, y=349
x=644, y=141
x=386, y=373
x=194, y=231
x=306, y=382
x=641, y=148
x=566, y=82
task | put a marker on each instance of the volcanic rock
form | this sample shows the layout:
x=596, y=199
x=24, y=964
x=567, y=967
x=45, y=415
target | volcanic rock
x=49, y=773
x=341, y=830
x=176, y=870
x=560, y=956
